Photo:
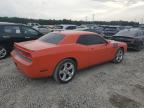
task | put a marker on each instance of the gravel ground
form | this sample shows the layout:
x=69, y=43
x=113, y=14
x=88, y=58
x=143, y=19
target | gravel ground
x=104, y=86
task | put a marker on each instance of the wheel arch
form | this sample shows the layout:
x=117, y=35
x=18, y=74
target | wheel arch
x=122, y=49
x=66, y=58
x=72, y=58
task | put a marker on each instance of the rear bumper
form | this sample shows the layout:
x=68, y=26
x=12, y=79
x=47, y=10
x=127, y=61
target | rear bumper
x=133, y=45
x=130, y=44
x=28, y=68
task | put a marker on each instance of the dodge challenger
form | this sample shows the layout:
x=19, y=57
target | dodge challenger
x=61, y=54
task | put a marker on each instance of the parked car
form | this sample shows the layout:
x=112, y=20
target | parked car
x=44, y=29
x=33, y=24
x=10, y=33
x=81, y=28
x=109, y=31
x=64, y=27
x=133, y=37
x=61, y=54
x=95, y=30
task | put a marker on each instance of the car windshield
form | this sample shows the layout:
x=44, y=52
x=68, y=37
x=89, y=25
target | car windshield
x=59, y=27
x=110, y=29
x=53, y=38
x=130, y=33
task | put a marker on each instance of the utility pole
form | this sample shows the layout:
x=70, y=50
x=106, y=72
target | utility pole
x=93, y=17
x=86, y=19
x=142, y=21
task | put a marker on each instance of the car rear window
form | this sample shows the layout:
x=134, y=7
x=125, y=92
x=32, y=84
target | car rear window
x=71, y=28
x=1, y=31
x=130, y=33
x=59, y=27
x=52, y=38
x=12, y=29
x=110, y=29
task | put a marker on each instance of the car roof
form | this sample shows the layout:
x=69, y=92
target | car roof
x=8, y=23
x=128, y=32
x=67, y=25
x=72, y=32
x=132, y=30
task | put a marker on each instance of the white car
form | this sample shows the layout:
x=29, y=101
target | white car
x=81, y=28
x=44, y=29
x=65, y=27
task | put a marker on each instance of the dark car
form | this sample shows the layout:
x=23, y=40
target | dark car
x=133, y=37
x=11, y=32
x=98, y=30
x=109, y=31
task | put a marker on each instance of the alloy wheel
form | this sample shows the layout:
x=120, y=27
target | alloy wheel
x=67, y=71
x=3, y=52
x=119, y=56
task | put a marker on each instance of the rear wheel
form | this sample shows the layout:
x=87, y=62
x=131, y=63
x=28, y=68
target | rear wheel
x=119, y=56
x=3, y=52
x=65, y=71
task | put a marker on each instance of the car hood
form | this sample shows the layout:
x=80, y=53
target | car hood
x=35, y=45
x=123, y=36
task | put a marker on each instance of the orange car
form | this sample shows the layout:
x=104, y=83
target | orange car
x=61, y=54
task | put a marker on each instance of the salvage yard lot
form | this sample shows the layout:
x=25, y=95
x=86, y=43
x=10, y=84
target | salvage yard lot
x=104, y=86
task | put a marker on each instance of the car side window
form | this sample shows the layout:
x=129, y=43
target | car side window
x=12, y=30
x=91, y=40
x=142, y=33
x=29, y=31
x=1, y=30
x=71, y=27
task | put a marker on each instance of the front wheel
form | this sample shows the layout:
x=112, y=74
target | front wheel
x=65, y=71
x=3, y=52
x=119, y=56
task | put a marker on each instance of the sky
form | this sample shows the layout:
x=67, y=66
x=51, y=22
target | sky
x=98, y=10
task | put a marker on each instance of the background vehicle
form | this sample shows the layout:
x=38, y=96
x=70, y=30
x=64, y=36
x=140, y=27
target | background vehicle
x=81, y=28
x=10, y=33
x=33, y=25
x=65, y=27
x=98, y=30
x=133, y=37
x=44, y=29
x=60, y=54
x=109, y=31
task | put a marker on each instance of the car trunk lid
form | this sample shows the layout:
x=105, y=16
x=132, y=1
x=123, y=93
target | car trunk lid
x=123, y=38
x=33, y=46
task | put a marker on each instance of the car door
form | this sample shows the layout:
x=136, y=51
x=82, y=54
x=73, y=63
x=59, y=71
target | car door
x=30, y=33
x=99, y=49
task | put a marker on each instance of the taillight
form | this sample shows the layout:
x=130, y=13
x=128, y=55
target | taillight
x=24, y=54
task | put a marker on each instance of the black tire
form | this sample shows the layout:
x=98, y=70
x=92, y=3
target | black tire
x=60, y=66
x=119, y=59
x=3, y=52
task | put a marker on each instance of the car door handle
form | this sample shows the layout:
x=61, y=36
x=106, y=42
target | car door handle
x=27, y=37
